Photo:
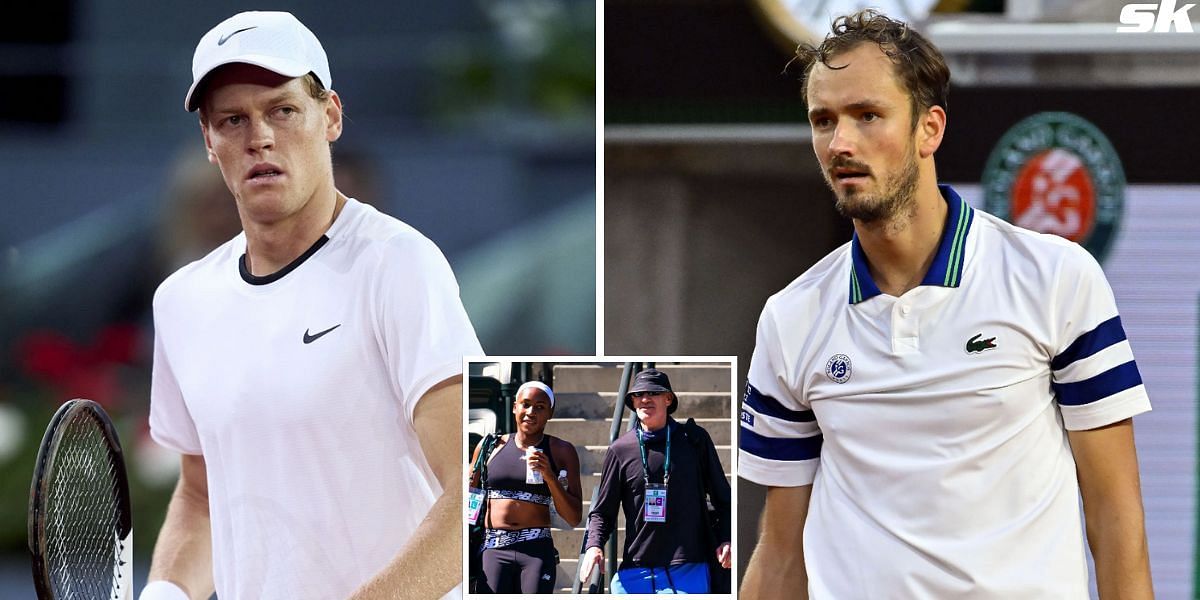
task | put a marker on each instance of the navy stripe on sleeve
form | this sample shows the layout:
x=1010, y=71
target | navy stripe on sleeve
x=1116, y=379
x=780, y=448
x=1104, y=335
x=766, y=405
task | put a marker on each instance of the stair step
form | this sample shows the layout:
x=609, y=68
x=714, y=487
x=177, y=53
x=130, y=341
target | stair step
x=588, y=482
x=691, y=377
x=599, y=405
x=591, y=459
x=566, y=572
x=594, y=432
x=568, y=541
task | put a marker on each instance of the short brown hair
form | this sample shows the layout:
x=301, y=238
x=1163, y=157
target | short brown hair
x=315, y=89
x=919, y=65
x=311, y=83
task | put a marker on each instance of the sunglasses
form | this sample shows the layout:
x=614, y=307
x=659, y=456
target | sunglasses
x=646, y=394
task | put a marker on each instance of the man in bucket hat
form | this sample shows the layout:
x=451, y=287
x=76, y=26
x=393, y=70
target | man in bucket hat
x=308, y=370
x=659, y=474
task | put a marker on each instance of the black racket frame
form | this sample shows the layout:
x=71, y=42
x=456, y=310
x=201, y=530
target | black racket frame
x=39, y=488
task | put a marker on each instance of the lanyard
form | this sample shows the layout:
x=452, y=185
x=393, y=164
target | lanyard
x=666, y=464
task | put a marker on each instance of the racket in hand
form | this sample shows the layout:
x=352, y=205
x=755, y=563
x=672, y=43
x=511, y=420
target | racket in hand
x=80, y=525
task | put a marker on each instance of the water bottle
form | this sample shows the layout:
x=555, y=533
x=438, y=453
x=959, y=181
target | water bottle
x=531, y=476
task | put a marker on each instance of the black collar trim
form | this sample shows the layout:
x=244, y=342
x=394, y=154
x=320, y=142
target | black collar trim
x=277, y=275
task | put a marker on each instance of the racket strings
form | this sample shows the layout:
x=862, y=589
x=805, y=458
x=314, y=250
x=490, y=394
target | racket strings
x=82, y=520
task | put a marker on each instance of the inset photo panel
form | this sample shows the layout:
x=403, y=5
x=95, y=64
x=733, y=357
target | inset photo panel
x=610, y=475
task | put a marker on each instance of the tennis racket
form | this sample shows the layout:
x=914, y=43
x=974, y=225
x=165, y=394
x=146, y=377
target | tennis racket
x=80, y=527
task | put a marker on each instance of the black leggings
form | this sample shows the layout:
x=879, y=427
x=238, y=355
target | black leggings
x=524, y=567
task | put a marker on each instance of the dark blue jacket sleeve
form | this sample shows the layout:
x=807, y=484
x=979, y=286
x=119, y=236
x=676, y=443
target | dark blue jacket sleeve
x=602, y=519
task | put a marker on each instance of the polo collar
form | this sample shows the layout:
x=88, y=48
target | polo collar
x=947, y=267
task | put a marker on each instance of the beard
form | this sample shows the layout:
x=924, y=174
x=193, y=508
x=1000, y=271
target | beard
x=896, y=196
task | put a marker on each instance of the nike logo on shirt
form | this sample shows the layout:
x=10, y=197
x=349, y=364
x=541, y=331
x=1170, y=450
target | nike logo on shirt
x=308, y=339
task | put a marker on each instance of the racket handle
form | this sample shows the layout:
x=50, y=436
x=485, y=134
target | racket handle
x=162, y=590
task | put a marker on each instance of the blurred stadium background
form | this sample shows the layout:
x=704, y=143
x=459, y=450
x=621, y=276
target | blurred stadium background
x=709, y=170
x=473, y=121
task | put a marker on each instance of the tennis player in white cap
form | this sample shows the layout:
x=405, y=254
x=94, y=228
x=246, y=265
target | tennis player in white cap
x=309, y=370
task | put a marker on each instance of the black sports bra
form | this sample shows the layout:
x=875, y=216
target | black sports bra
x=506, y=474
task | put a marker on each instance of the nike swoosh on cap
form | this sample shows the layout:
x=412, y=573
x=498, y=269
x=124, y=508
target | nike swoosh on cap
x=225, y=38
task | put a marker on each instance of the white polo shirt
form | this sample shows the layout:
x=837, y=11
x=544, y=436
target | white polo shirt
x=932, y=425
x=299, y=390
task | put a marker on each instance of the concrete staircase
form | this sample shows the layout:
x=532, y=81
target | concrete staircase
x=584, y=398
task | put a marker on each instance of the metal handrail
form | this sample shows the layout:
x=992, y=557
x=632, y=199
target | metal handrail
x=619, y=405
x=631, y=370
x=596, y=583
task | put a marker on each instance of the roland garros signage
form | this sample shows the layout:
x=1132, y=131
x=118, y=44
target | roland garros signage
x=1056, y=173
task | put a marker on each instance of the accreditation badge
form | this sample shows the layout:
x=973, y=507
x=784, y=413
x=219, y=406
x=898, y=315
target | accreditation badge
x=474, y=505
x=655, y=504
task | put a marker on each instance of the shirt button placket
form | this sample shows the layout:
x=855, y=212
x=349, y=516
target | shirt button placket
x=905, y=339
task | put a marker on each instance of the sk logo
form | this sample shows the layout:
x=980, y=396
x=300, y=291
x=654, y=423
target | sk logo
x=976, y=345
x=1161, y=17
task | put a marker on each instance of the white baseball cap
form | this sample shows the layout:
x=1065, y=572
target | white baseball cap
x=276, y=41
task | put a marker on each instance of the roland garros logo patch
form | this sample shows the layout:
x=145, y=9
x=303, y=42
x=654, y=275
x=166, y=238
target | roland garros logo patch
x=1056, y=173
x=838, y=368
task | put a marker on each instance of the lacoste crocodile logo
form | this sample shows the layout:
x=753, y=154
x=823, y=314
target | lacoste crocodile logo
x=976, y=345
x=308, y=339
x=225, y=38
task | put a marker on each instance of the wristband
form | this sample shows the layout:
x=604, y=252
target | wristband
x=163, y=590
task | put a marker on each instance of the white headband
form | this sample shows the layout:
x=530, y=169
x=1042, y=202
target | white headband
x=537, y=385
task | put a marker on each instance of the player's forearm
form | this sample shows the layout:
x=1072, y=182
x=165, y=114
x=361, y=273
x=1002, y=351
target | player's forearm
x=1106, y=462
x=183, y=552
x=1118, y=542
x=775, y=573
x=430, y=564
x=776, y=568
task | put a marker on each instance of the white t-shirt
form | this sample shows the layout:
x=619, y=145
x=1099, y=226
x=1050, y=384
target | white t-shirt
x=299, y=390
x=932, y=426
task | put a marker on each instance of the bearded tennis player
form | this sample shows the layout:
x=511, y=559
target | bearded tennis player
x=929, y=403
x=308, y=370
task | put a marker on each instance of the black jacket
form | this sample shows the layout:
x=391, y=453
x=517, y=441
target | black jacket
x=685, y=537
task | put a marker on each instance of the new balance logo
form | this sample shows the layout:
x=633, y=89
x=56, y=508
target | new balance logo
x=976, y=345
x=1161, y=17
